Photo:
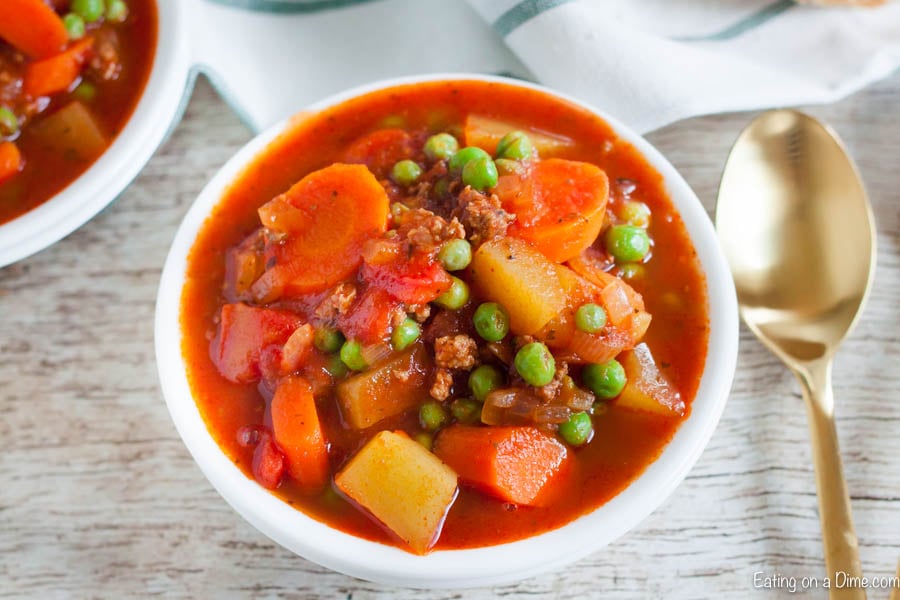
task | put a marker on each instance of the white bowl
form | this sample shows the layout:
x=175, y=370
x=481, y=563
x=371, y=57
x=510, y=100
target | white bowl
x=163, y=98
x=499, y=564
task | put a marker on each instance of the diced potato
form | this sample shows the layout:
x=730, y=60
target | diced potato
x=523, y=280
x=486, y=132
x=647, y=388
x=403, y=485
x=71, y=131
x=392, y=387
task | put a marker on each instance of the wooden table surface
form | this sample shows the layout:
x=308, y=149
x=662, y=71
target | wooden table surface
x=100, y=498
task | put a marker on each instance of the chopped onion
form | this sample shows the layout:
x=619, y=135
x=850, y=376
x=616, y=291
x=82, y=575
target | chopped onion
x=580, y=400
x=552, y=413
x=376, y=353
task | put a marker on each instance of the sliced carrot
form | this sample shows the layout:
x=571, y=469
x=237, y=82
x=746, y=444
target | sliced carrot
x=10, y=160
x=344, y=205
x=512, y=463
x=298, y=432
x=57, y=73
x=566, y=207
x=33, y=27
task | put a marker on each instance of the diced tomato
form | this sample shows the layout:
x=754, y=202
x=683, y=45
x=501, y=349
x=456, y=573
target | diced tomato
x=244, y=332
x=268, y=463
x=369, y=319
x=379, y=150
x=409, y=282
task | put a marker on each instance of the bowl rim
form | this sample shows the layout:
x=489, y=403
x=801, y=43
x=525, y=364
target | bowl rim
x=503, y=563
x=163, y=99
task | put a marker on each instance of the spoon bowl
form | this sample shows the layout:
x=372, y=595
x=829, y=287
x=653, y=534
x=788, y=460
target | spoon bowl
x=797, y=229
x=798, y=232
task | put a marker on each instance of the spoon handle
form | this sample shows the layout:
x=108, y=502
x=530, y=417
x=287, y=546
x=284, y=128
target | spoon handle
x=838, y=533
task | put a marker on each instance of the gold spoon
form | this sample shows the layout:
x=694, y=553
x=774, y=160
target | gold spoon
x=798, y=232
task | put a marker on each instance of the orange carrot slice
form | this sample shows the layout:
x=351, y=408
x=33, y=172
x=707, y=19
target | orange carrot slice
x=298, y=432
x=10, y=160
x=566, y=207
x=344, y=205
x=57, y=73
x=32, y=27
x=512, y=463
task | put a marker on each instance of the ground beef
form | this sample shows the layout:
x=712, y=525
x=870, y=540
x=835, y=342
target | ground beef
x=337, y=303
x=398, y=315
x=549, y=392
x=455, y=352
x=422, y=191
x=105, y=63
x=443, y=382
x=425, y=231
x=419, y=312
x=482, y=216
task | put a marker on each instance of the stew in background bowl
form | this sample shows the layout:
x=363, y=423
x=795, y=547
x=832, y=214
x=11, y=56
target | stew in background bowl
x=71, y=75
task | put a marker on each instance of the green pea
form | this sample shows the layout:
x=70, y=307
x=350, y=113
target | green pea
x=406, y=172
x=484, y=380
x=432, y=415
x=506, y=166
x=578, y=430
x=491, y=321
x=86, y=92
x=455, y=254
x=627, y=243
x=480, y=173
x=328, y=340
x=89, y=10
x=335, y=366
x=441, y=146
x=636, y=213
x=606, y=380
x=441, y=188
x=9, y=124
x=590, y=318
x=116, y=11
x=466, y=410
x=405, y=334
x=461, y=158
x=632, y=271
x=535, y=364
x=74, y=25
x=351, y=355
x=424, y=438
x=515, y=145
x=456, y=296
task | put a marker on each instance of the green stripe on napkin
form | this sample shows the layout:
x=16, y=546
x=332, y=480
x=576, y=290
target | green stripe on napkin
x=522, y=12
x=744, y=25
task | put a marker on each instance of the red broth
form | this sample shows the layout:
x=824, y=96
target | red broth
x=61, y=133
x=625, y=441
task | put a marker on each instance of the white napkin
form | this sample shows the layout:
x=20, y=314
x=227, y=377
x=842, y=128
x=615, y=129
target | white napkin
x=652, y=62
x=647, y=62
